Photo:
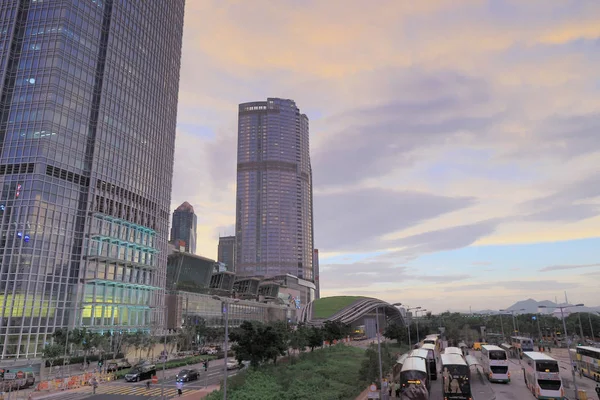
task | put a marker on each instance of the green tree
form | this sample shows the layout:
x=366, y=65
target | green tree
x=315, y=338
x=52, y=352
x=369, y=371
x=299, y=338
x=335, y=330
x=396, y=332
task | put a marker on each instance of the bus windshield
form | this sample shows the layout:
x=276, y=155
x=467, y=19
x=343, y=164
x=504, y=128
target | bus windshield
x=456, y=379
x=546, y=366
x=497, y=355
x=413, y=377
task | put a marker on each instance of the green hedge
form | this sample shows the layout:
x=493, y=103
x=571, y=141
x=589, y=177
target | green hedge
x=331, y=373
x=79, y=359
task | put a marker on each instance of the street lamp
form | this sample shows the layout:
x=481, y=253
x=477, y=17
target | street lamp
x=379, y=347
x=502, y=327
x=515, y=324
x=562, y=315
x=417, y=315
x=225, y=310
x=591, y=327
x=407, y=311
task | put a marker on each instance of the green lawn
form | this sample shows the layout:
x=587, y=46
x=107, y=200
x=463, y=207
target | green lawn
x=327, y=306
x=331, y=373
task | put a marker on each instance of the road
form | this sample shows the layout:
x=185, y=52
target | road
x=121, y=390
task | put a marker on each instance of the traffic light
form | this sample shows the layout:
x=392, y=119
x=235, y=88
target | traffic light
x=205, y=365
x=1, y=374
x=100, y=363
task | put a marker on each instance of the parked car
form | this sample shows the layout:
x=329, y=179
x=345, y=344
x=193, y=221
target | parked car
x=186, y=375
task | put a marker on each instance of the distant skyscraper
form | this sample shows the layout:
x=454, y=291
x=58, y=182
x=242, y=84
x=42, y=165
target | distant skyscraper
x=88, y=108
x=274, y=191
x=227, y=251
x=316, y=273
x=184, y=227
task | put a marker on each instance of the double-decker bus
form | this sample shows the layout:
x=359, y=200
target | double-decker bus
x=495, y=363
x=588, y=361
x=414, y=372
x=428, y=355
x=542, y=376
x=455, y=377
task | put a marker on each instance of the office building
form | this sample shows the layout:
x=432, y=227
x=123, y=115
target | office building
x=88, y=108
x=316, y=269
x=226, y=252
x=184, y=225
x=274, y=219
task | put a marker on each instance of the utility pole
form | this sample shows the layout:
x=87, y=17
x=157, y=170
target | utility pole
x=379, y=351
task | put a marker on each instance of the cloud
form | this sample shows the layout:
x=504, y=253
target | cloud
x=360, y=274
x=353, y=220
x=567, y=267
x=522, y=286
x=386, y=137
x=446, y=239
x=481, y=263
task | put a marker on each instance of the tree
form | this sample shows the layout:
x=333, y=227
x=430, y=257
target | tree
x=299, y=338
x=52, y=352
x=246, y=345
x=335, y=330
x=315, y=338
x=396, y=332
x=369, y=371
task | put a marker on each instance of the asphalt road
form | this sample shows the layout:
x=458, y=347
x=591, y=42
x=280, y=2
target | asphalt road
x=121, y=390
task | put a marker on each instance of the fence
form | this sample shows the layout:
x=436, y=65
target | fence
x=73, y=382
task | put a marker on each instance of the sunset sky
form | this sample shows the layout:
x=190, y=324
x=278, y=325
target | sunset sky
x=455, y=144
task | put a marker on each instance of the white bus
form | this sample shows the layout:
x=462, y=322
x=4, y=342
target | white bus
x=495, y=363
x=521, y=344
x=453, y=350
x=434, y=340
x=414, y=372
x=431, y=359
x=542, y=376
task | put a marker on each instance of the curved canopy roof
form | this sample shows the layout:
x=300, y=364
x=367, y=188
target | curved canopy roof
x=349, y=310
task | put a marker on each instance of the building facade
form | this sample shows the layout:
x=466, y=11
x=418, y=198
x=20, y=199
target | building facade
x=316, y=269
x=183, y=228
x=88, y=107
x=274, y=234
x=226, y=252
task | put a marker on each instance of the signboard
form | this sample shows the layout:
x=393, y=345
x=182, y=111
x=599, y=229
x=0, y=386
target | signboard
x=9, y=376
x=373, y=393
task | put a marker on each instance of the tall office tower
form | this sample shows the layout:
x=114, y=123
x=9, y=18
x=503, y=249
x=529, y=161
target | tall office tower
x=316, y=273
x=226, y=252
x=184, y=227
x=274, y=191
x=88, y=107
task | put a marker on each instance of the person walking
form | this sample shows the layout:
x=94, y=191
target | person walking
x=147, y=384
x=598, y=390
x=179, y=386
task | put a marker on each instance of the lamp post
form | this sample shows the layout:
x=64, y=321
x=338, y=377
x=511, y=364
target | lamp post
x=562, y=316
x=408, y=310
x=512, y=312
x=591, y=327
x=225, y=310
x=417, y=314
x=580, y=326
x=502, y=327
x=398, y=305
x=379, y=348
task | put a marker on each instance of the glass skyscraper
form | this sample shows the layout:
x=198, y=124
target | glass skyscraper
x=184, y=227
x=274, y=215
x=88, y=106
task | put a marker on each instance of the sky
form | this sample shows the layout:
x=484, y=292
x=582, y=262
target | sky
x=455, y=144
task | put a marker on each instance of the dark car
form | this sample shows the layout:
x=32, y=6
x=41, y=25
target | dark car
x=141, y=373
x=186, y=375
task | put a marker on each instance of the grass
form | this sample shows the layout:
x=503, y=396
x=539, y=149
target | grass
x=327, y=306
x=331, y=373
